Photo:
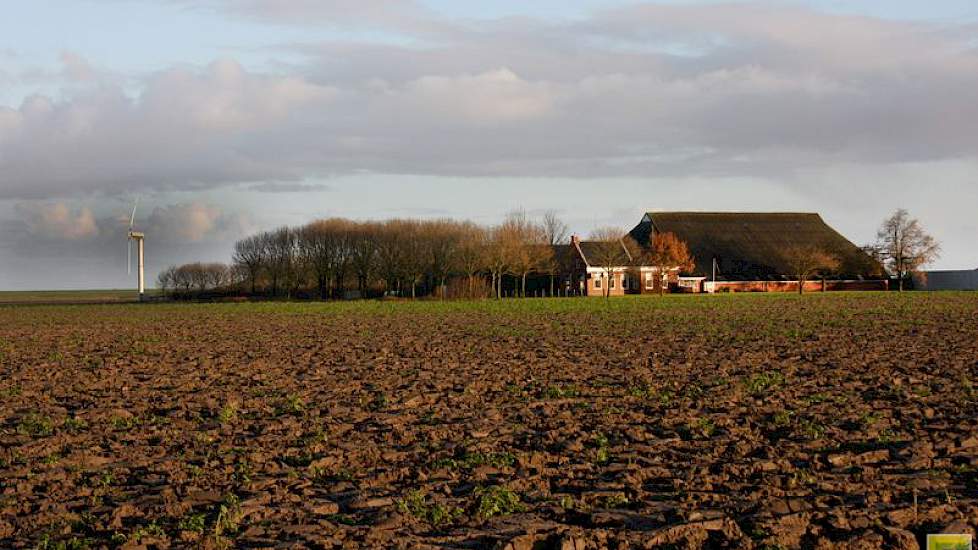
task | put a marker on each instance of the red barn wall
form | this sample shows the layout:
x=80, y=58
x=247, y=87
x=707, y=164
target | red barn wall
x=792, y=286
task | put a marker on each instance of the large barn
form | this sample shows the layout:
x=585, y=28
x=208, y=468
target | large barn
x=748, y=251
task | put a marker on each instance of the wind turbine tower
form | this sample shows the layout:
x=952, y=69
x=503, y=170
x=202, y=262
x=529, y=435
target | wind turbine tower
x=138, y=237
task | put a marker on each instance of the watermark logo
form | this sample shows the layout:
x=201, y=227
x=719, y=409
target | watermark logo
x=949, y=542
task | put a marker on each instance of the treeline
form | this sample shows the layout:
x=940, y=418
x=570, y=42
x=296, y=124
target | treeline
x=337, y=258
x=197, y=278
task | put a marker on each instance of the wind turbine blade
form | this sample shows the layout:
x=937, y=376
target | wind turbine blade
x=132, y=218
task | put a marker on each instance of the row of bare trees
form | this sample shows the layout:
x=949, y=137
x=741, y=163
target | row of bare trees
x=403, y=257
x=337, y=257
x=196, y=278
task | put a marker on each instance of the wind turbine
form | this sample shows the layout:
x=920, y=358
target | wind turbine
x=138, y=237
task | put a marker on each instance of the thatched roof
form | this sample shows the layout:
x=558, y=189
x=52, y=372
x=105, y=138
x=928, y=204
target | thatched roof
x=752, y=246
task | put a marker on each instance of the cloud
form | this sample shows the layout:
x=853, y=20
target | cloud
x=288, y=187
x=76, y=67
x=188, y=129
x=58, y=221
x=195, y=222
x=645, y=90
x=494, y=97
x=387, y=14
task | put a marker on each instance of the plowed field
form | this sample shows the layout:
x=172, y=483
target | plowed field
x=828, y=421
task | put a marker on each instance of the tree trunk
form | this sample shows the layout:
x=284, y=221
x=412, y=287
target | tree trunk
x=801, y=286
x=523, y=287
x=901, y=283
x=552, y=285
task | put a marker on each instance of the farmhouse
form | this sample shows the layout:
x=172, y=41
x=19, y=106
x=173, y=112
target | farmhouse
x=749, y=251
x=591, y=270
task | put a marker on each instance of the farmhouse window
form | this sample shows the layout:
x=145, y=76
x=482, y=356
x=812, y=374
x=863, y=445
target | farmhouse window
x=624, y=282
x=611, y=282
x=649, y=282
x=597, y=282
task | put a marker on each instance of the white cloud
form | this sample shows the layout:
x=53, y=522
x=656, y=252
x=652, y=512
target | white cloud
x=58, y=221
x=494, y=97
x=194, y=222
x=664, y=90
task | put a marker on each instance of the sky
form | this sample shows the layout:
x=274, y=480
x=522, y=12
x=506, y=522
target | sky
x=226, y=117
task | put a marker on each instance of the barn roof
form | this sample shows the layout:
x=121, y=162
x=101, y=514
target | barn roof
x=752, y=246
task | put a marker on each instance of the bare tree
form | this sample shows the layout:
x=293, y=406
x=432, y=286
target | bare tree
x=316, y=252
x=440, y=241
x=498, y=256
x=198, y=276
x=249, y=253
x=808, y=260
x=555, y=233
x=281, y=249
x=609, y=252
x=413, y=261
x=237, y=277
x=472, y=256
x=667, y=253
x=363, y=253
x=344, y=240
x=525, y=246
x=391, y=253
x=183, y=279
x=166, y=279
x=216, y=275
x=905, y=245
x=554, y=229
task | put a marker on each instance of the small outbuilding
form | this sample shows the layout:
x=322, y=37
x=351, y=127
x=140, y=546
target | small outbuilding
x=963, y=279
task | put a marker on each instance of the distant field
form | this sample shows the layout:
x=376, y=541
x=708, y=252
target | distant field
x=68, y=296
x=757, y=421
